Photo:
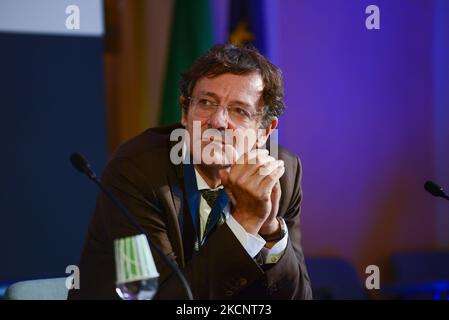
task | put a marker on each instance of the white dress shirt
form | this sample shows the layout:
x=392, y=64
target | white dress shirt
x=252, y=244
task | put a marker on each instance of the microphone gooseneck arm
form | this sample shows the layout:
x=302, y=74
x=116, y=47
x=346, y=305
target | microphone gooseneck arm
x=435, y=190
x=81, y=164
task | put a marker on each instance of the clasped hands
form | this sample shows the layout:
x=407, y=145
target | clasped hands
x=254, y=189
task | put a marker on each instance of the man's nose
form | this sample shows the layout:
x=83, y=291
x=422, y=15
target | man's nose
x=219, y=119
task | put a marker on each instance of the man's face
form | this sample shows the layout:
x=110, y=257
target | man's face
x=224, y=102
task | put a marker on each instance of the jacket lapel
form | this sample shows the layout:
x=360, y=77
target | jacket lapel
x=177, y=196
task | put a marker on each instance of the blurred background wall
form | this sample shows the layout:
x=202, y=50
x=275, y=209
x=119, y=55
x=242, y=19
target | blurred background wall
x=361, y=117
x=367, y=111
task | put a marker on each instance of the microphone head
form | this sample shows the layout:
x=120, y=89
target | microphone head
x=81, y=164
x=434, y=189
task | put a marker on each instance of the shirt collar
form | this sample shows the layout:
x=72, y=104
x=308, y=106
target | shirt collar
x=202, y=184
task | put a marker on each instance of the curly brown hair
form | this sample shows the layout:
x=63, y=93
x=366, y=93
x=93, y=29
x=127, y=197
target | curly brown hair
x=228, y=58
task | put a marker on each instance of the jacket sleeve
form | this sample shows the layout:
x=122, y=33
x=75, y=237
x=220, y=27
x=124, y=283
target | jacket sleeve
x=217, y=272
x=288, y=278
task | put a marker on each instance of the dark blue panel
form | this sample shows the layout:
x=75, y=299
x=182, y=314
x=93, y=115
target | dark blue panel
x=52, y=102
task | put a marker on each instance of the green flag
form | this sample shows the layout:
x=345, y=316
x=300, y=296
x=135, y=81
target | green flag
x=191, y=36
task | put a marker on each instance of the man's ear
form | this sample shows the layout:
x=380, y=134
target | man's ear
x=262, y=139
x=184, y=110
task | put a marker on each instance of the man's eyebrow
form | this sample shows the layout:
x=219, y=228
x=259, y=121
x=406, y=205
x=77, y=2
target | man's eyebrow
x=210, y=94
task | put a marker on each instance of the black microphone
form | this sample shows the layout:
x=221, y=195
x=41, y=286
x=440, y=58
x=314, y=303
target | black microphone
x=435, y=190
x=83, y=166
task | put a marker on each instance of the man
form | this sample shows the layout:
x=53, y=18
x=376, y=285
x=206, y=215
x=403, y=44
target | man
x=229, y=218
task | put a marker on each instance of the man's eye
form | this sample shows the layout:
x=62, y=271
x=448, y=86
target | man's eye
x=205, y=102
x=241, y=111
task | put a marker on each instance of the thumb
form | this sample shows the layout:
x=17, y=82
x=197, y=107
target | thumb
x=224, y=176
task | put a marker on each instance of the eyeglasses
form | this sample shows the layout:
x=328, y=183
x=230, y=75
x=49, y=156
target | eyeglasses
x=205, y=107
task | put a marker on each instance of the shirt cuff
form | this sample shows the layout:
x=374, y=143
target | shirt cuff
x=252, y=244
x=275, y=253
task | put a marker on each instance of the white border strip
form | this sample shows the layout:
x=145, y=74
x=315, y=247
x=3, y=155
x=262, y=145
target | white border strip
x=49, y=17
